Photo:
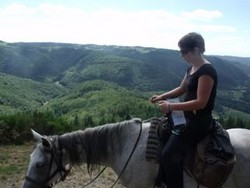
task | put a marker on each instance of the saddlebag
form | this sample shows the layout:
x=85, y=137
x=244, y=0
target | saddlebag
x=214, y=158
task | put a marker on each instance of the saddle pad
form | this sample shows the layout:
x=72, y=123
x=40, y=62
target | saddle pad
x=153, y=144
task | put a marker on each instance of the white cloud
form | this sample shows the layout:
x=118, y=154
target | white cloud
x=154, y=28
x=217, y=28
x=227, y=44
x=202, y=15
x=17, y=10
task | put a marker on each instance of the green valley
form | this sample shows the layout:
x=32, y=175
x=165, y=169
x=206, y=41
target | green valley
x=72, y=86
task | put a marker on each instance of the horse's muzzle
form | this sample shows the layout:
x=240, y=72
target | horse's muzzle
x=29, y=184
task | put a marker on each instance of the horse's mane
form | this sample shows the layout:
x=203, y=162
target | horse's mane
x=93, y=144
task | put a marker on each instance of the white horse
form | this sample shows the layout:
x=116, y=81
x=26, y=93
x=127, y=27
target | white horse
x=111, y=145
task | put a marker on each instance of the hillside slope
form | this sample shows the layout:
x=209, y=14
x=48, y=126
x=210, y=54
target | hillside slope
x=34, y=73
x=20, y=94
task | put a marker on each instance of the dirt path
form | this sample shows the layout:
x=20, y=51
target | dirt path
x=14, y=162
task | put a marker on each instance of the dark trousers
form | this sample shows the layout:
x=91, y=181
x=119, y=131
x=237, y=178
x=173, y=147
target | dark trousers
x=174, y=150
x=172, y=161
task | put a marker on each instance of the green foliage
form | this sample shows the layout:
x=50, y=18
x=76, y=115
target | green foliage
x=98, y=102
x=234, y=122
x=93, y=103
x=19, y=94
x=55, y=88
x=15, y=129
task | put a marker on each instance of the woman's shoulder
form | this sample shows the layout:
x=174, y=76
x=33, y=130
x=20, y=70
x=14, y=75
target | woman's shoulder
x=207, y=68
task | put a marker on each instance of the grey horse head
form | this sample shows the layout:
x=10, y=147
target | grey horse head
x=49, y=163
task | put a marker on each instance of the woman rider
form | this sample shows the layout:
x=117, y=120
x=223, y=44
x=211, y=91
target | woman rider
x=199, y=86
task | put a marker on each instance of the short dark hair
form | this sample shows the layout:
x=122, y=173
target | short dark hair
x=191, y=41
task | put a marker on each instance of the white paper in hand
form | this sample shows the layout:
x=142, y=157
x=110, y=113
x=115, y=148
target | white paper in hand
x=178, y=117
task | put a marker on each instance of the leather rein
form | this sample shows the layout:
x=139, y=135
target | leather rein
x=125, y=165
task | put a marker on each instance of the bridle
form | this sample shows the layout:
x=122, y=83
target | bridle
x=60, y=169
x=64, y=172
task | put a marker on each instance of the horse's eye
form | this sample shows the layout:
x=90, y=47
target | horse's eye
x=39, y=165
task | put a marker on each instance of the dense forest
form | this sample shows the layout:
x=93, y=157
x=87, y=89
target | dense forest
x=55, y=88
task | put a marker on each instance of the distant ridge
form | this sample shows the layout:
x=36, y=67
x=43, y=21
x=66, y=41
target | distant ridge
x=147, y=70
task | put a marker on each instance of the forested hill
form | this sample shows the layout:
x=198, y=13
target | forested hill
x=50, y=71
x=147, y=69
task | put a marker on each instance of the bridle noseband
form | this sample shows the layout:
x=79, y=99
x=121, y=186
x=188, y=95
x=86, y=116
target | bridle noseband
x=60, y=169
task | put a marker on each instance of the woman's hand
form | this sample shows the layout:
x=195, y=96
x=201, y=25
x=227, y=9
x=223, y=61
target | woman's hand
x=164, y=107
x=155, y=98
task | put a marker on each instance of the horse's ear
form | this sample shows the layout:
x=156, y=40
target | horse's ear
x=46, y=143
x=45, y=140
x=37, y=136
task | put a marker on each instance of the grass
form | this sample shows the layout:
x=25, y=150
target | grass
x=13, y=164
x=13, y=160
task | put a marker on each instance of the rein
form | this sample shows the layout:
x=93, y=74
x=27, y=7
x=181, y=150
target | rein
x=131, y=154
x=86, y=185
x=125, y=165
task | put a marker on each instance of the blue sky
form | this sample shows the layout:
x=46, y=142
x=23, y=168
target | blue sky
x=149, y=23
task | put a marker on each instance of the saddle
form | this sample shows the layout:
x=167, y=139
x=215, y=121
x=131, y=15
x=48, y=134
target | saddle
x=210, y=163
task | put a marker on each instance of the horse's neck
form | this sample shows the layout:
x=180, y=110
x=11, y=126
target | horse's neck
x=72, y=143
x=123, y=144
x=100, y=145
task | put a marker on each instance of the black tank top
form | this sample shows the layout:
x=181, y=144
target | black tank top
x=192, y=86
